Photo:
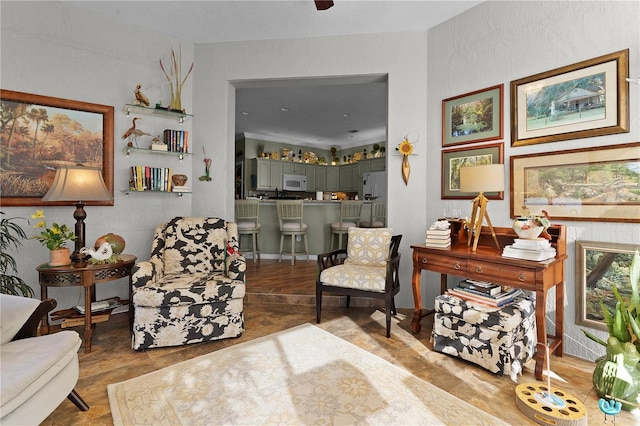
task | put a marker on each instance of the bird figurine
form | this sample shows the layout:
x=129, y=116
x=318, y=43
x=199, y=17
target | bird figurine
x=133, y=133
x=104, y=252
x=140, y=97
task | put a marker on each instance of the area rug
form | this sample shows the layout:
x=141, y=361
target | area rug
x=303, y=375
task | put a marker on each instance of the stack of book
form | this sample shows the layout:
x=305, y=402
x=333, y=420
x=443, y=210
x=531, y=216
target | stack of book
x=182, y=188
x=439, y=238
x=146, y=178
x=537, y=249
x=485, y=293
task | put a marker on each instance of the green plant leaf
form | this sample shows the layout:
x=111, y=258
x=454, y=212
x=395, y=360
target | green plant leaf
x=594, y=338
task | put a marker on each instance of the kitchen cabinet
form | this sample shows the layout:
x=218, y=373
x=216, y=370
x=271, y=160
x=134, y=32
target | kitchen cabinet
x=291, y=167
x=268, y=174
x=348, y=176
x=371, y=165
x=332, y=181
x=310, y=172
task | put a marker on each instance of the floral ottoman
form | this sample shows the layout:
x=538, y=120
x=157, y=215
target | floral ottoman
x=500, y=341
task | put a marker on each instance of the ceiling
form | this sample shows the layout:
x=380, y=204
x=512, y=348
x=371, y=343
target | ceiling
x=321, y=112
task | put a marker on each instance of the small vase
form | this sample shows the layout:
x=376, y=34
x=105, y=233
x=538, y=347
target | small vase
x=59, y=257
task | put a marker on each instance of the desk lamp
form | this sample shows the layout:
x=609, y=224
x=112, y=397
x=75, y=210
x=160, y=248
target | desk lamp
x=79, y=184
x=480, y=179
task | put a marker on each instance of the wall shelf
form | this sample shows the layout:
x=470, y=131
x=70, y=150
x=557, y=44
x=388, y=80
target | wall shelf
x=139, y=109
x=126, y=192
x=133, y=150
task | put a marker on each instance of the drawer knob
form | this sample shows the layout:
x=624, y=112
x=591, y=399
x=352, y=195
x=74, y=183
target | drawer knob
x=424, y=260
x=522, y=277
x=456, y=266
x=479, y=269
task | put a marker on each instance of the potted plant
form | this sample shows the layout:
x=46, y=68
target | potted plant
x=11, y=236
x=617, y=374
x=55, y=239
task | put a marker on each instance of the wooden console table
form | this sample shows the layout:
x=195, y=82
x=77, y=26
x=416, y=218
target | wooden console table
x=87, y=277
x=487, y=264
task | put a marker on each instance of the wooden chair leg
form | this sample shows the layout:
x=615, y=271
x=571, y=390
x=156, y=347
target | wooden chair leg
x=293, y=249
x=318, y=303
x=77, y=401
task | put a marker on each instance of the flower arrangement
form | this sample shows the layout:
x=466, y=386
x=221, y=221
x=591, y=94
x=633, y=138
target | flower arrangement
x=207, y=166
x=55, y=237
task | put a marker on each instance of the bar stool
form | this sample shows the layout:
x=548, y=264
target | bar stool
x=246, y=212
x=291, y=224
x=349, y=217
x=378, y=216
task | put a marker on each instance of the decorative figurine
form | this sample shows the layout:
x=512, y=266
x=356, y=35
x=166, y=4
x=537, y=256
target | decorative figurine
x=103, y=252
x=141, y=99
x=132, y=134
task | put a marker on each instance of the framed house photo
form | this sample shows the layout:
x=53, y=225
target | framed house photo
x=598, y=266
x=590, y=98
x=473, y=117
x=40, y=134
x=453, y=159
x=598, y=184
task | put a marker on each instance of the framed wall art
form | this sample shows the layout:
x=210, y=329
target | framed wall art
x=40, y=134
x=598, y=266
x=453, y=159
x=590, y=98
x=473, y=117
x=600, y=184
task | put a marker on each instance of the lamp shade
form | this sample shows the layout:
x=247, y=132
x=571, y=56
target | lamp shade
x=78, y=183
x=484, y=178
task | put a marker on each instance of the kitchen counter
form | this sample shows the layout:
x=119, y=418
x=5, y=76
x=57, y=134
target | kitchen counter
x=318, y=215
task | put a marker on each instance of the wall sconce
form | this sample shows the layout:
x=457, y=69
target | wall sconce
x=480, y=179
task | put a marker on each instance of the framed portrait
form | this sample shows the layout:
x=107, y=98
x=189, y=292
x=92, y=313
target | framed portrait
x=453, y=159
x=473, y=117
x=40, y=134
x=590, y=98
x=598, y=184
x=598, y=266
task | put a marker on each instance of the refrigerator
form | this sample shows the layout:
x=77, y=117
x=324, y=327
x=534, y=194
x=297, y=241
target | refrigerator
x=374, y=185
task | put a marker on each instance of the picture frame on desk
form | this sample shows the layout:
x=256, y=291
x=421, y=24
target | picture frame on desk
x=592, y=184
x=473, y=117
x=581, y=100
x=453, y=159
x=598, y=265
x=43, y=133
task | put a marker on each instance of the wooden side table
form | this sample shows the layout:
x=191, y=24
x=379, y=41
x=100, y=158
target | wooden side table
x=87, y=277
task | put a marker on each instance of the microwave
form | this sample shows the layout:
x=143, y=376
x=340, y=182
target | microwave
x=294, y=182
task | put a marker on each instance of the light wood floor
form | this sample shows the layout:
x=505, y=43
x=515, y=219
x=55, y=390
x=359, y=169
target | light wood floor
x=112, y=360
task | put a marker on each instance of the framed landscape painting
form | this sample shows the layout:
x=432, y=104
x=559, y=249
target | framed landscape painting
x=598, y=266
x=40, y=134
x=453, y=159
x=473, y=117
x=590, y=98
x=600, y=184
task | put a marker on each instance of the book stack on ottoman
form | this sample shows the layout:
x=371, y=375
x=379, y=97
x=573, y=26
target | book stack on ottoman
x=499, y=340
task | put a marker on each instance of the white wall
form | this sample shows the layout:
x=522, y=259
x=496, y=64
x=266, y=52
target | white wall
x=53, y=49
x=497, y=42
x=400, y=56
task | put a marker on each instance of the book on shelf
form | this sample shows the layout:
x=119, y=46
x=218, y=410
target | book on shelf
x=438, y=241
x=489, y=298
x=443, y=232
x=525, y=254
x=439, y=244
x=159, y=147
x=532, y=244
x=494, y=302
x=176, y=140
x=491, y=290
x=437, y=237
x=181, y=189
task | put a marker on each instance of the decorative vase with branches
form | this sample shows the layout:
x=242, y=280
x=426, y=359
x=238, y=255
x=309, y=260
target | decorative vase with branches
x=174, y=77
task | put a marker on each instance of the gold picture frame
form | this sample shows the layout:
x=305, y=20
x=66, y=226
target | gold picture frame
x=586, y=99
x=593, y=184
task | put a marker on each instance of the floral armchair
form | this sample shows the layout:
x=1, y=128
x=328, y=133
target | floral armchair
x=191, y=290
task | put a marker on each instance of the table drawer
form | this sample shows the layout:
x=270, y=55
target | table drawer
x=501, y=274
x=442, y=264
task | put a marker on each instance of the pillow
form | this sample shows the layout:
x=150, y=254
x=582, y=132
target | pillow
x=368, y=247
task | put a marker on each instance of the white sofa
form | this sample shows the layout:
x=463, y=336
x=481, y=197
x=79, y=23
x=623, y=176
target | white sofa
x=36, y=373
